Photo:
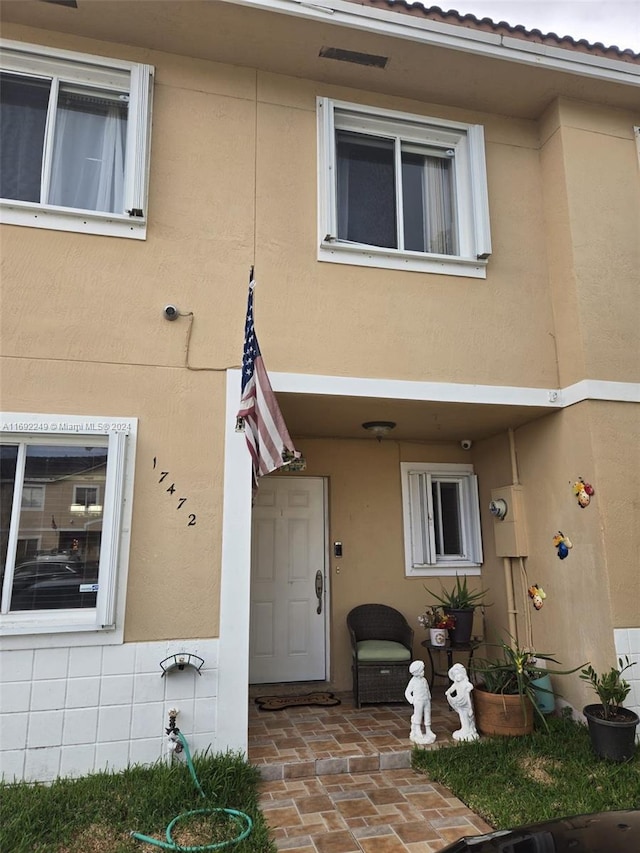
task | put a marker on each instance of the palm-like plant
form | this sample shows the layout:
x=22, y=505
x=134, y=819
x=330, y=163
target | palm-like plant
x=515, y=673
x=611, y=688
x=460, y=597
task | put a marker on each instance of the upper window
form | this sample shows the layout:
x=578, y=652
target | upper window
x=59, y=545
x=74, y=141
x=441, y=519
x=401, y=191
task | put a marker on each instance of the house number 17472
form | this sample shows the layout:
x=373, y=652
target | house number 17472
x=170, y=488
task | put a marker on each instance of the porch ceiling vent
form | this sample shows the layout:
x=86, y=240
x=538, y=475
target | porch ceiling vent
x=353, y=56
x=379, y=428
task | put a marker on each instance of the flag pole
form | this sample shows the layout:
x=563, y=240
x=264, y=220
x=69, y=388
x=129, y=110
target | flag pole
x=239, y=420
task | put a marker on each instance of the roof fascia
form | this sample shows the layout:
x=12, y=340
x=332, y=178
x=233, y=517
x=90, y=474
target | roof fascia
x=426, y=31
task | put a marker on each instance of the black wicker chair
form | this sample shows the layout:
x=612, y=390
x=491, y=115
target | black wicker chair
x=381, y=648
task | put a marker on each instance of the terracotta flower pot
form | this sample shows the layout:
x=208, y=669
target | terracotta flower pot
x=498, y=714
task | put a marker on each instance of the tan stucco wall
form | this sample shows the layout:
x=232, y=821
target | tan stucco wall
x=233, y=183
x=591, y=187
x=173, y=586
x=615, y=429
x=222, y=198
x=596, y=588
x=365, y=514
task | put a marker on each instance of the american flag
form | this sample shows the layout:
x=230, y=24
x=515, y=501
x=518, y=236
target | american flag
x=265, y=430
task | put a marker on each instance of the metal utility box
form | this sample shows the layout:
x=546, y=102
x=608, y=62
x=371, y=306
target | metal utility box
x=510, y=531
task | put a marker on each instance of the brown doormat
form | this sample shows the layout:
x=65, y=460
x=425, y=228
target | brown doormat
x=278, y=703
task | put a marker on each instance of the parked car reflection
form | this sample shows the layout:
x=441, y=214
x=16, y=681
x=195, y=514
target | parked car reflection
x=54, y=583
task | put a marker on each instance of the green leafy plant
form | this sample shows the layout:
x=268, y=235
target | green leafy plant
x=610, y=686
x=460, y=597
x=515, y=673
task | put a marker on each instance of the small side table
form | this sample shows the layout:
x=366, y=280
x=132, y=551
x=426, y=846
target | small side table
x=450, y=650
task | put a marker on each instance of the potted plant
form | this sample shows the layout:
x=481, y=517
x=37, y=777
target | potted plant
x=460, y=602
x=507, y=690
x=612, y=728
x=438, y=624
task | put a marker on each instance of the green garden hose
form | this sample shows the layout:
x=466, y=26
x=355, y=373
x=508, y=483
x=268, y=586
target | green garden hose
x=242, y=820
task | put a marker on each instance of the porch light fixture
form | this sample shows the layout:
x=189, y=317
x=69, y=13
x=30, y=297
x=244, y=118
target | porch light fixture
x=379, y=428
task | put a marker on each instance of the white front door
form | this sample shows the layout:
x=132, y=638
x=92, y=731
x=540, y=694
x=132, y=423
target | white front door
x=288, y=581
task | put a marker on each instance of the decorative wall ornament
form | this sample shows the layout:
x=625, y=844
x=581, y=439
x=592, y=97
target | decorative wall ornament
x=538, y=595
x=583, y=491
x=180, y=661
x=563, y=544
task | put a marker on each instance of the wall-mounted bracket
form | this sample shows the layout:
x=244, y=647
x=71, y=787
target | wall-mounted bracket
x=180, y=661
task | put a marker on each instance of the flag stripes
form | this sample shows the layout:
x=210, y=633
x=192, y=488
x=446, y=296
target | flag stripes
x=265, y=430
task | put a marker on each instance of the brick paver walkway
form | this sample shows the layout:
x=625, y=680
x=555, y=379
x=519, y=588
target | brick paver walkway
x=338, y=780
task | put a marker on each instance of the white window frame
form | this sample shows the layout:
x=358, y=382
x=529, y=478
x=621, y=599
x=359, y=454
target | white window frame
x=421, y=559
x=41, y=489
x=470, y=188
x=104, y=623
x=134, y=80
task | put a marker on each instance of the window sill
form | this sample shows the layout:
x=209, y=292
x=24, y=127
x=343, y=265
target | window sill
x=444, y=571
x=80, y=221
x=62, y=628
x=370, y=256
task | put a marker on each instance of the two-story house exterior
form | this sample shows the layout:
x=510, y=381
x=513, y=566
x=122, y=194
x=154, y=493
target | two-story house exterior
x=443, y=217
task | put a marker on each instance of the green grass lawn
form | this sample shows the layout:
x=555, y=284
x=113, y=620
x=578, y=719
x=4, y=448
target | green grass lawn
x=95, y=814
x=520, y=780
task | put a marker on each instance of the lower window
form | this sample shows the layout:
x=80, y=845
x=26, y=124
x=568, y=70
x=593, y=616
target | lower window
x=441, y=518
x=62, y=494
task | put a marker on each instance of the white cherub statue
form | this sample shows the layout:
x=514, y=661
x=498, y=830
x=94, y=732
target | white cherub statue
x=459, y=697
x=419, y=695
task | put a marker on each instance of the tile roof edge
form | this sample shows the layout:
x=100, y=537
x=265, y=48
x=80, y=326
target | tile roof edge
x=535, y=36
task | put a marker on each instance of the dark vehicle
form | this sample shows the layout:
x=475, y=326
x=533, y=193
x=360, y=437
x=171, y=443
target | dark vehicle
x=47, y=584
x=603, y=832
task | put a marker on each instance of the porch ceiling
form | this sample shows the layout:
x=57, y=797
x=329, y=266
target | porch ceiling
x=323, y=416
x=289, y=45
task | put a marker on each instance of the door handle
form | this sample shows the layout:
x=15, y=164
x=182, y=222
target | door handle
x=319, y=590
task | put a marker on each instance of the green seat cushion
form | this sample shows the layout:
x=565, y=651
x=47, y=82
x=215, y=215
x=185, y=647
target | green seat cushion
x=381, y=650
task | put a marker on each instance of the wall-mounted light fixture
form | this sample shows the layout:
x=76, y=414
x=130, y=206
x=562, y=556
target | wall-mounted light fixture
x=379, y=428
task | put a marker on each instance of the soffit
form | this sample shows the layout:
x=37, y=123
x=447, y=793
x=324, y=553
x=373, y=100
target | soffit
x=284, y=44
x=320, y=416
